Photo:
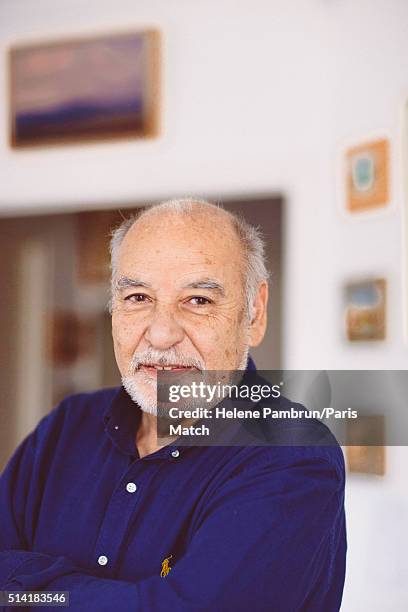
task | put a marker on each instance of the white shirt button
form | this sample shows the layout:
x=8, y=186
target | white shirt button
x=131, y=487
x=102, y=560
x=175, y=453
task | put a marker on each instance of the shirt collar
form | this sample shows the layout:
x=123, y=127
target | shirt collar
x=121, y=420
x=122, y=417
x=251, y=367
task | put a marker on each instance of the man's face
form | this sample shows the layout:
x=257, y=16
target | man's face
x=180, y=300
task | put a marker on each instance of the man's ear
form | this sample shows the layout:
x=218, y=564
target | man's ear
x=257, y=326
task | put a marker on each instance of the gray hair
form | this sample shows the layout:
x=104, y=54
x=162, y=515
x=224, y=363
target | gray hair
x=249, y=236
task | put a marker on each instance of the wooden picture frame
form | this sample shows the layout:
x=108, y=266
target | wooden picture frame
x=85, y=89
x=365, y=310
x=365, y=445
x=367, y=176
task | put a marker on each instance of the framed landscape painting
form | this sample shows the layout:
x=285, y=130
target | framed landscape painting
x=85, y=89
x=365, y=310
x=365, y=444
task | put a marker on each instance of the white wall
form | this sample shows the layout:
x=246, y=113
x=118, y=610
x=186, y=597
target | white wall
x=261, y=97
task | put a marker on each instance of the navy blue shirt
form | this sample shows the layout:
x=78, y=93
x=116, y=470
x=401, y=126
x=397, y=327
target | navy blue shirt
x=256, y=528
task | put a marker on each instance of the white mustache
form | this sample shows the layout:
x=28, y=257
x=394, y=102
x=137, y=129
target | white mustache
x=152, y=357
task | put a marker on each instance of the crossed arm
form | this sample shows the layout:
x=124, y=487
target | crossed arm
x=260, y=545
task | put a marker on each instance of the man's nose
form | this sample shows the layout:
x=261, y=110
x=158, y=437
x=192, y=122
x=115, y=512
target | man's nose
x=164, y=331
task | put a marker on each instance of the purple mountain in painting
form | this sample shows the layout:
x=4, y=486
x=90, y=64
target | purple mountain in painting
x=79, y=117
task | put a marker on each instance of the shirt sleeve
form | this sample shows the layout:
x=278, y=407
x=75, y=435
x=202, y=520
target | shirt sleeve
x=261, y=542
x=17, y=517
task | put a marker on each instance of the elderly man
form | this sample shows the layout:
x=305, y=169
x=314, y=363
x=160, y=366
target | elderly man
x=95, y=504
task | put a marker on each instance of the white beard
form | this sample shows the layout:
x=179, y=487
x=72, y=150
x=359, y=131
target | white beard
x=147, y=400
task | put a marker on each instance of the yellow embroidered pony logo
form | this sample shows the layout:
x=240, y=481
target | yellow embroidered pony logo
x=165, y=567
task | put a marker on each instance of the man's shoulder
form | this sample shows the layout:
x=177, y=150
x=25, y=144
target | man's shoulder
x=281, y=471
x=286, y=441
x=278, y=457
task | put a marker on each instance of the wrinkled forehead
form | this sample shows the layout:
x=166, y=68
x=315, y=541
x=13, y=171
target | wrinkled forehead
x=183, y=244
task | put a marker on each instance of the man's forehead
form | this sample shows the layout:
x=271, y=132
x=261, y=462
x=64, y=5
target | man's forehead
x=202, y=223
x=169, y=251
x=186, y=239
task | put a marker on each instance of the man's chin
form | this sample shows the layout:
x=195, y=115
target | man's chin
x=146, y=400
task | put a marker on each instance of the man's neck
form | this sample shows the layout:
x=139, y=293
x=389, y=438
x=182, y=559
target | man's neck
x=146, y=435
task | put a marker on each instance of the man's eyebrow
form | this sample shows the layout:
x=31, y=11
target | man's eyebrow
x=206, y=284
x=124, y=282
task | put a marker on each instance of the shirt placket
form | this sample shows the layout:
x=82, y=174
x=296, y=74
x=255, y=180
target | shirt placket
x=121, y=510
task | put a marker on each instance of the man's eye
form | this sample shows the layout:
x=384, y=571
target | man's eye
x=137, y=298
x=199, y=301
